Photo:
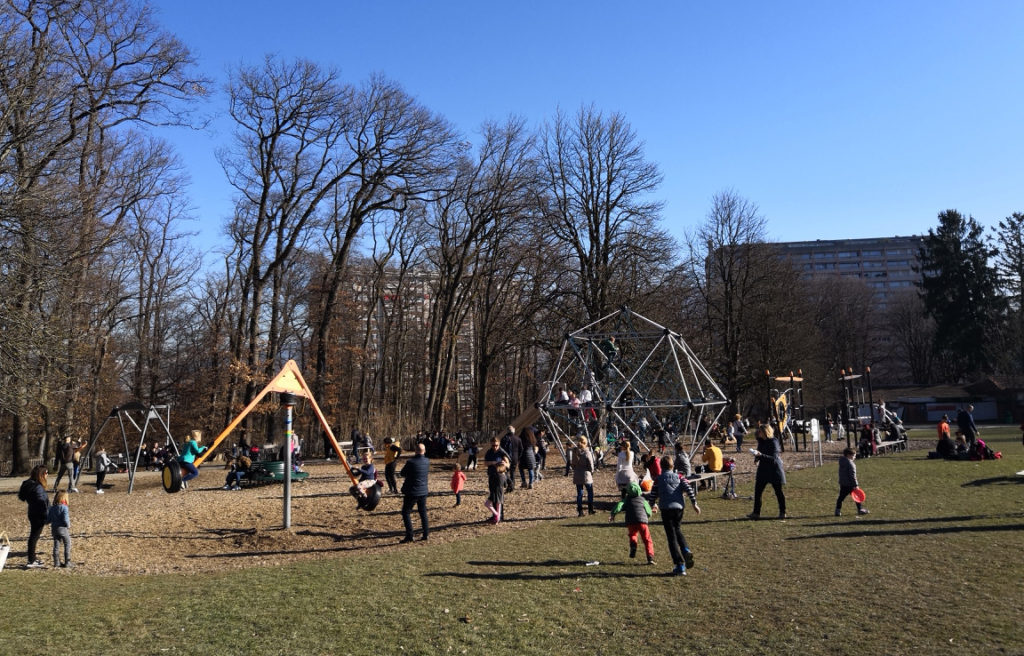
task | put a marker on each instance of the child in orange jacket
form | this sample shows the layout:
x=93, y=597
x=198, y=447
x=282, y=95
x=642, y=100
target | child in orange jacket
x=458, y=482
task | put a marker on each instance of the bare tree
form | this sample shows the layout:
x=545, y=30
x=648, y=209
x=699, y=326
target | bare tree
x=731, y=269
x=75, y=75
x=598, y=202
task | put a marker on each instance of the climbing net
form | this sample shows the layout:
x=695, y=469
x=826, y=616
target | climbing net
x=626, y=376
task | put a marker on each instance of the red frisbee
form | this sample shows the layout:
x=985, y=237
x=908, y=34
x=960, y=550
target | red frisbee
x=858, y=495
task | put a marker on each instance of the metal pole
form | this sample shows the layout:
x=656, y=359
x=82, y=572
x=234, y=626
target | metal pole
x=288, y=463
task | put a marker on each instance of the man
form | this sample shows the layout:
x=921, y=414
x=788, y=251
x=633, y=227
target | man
x=414, y=488
x=965, y=422
x=513, y=446
x=66, y=464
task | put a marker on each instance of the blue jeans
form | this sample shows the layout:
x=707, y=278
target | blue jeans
x=590, y=497
x=523, y=474
x=191, y=469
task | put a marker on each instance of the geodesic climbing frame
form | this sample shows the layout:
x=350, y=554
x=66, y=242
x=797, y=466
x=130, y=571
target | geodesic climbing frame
x=641, y=377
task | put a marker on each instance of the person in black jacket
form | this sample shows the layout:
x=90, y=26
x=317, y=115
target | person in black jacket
x=33, y=492
x=513, y=446
x=415, y=472
x=769, y=470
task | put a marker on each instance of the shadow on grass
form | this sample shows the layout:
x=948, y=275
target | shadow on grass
x=939, y=530
x=995, y=480
x=861, y=521
x=588, y=573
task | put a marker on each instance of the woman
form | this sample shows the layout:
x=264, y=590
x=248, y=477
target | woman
x=497, y=461
x=624, y=474
x=188, y=456
x=33, y=492
x=528, y=458
x=769, y=470
x=583, y=474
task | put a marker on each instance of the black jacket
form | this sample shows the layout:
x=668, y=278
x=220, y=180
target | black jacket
x=38, y=501
x=415, y=473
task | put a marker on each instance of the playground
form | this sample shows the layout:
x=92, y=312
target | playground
x=208, y=529
x=209, y=571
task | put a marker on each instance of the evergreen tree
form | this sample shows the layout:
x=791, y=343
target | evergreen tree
x=960, y=290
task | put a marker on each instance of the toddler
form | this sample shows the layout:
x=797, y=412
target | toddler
x=59, y=519
x=458, y=482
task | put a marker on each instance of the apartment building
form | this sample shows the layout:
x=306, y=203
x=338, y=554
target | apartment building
x=885, y=264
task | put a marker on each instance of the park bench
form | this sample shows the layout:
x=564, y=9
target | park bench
x=711, y=477
x=891, y=445
x=271, y=471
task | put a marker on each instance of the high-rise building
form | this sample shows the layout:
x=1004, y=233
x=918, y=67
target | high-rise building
x=885, y=264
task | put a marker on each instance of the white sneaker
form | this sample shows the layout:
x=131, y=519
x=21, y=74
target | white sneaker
x=36, y=564
x=99, y=491
x=226, y=487
x=74, y=489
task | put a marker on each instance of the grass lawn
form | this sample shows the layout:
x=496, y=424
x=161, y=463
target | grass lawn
x=936, y=568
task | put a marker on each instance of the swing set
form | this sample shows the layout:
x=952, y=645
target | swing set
x=151, y=418
x=289, y=385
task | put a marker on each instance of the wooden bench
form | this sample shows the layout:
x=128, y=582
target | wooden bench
x=712, y=477
x=891, y=445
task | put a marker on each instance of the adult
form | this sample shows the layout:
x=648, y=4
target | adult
x=391, y=453
x=33, y=492
x=624, y=474
x=496, y=458
x=66, y=464
x=513, y=447
x=528, y=458
x=739, y=431
x=583, y=474
x=414, y=487
x=357, y=439
x=669, y=488
x=965, y=422
x=188, y=456
x=712, y=458
x=769, y=470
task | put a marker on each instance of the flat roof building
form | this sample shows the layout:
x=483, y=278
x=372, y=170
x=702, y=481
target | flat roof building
x=885, y=264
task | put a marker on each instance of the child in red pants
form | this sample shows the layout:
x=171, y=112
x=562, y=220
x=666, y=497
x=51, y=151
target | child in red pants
x=638, y=511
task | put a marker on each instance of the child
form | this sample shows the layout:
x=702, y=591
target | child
x=729, y=465
x=458, y=482
x=848, y=480
x=637, y=512
x=102, y=463
x=60, y=527
x=367, y=476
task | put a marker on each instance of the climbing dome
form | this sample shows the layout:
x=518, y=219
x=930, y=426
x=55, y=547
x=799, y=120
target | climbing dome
x=642, y=379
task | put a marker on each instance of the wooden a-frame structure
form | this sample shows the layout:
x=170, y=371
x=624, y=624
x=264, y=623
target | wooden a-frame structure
x=287, y=381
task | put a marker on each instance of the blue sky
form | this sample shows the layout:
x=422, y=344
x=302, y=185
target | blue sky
x=840, y=120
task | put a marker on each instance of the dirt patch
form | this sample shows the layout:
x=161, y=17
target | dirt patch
x=208, y=529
